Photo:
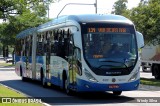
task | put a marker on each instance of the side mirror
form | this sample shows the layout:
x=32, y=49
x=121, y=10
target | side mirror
x=140, y=40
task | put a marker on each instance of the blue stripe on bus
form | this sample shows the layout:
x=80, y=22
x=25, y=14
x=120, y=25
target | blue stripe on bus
x=39, y=59
x=83, y=85
x=17, y=58
x=56, y=81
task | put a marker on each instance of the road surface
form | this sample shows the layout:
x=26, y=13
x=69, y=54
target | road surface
x=55, y=96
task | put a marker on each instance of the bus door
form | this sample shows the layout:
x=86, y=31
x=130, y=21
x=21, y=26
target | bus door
x=47, y=49
x=26, y=59
x=70, y=49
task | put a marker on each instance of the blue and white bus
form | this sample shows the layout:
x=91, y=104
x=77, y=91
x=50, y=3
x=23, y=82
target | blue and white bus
x=82, y=53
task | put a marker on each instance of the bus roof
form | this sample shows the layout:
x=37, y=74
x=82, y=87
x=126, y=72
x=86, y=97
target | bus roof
x=99, y=18
x=88, y=18
x=26, y=32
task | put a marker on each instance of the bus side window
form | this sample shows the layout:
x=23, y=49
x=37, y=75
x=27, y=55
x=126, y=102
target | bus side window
x=26, y=46
x=23, y=47
x=70, y=44
x=61, y=45
x=77, y=59
x=39, y=46
x=55, y=43
x=18, y=48
x=77, y=54
x=52, y=41
x=47, y=45
x=43, y=44
x=30, y=46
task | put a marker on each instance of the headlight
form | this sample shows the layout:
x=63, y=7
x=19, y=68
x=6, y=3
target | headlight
x=134, y=76
x=89, y=76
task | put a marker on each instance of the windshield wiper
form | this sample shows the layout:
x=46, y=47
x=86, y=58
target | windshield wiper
x=112, y=61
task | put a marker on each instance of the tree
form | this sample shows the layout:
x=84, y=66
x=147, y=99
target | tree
x=10, y=7
x=27, y=14
x=119, y=7
x=147, y=20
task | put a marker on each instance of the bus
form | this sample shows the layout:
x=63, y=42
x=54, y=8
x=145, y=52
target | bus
x=81, y=53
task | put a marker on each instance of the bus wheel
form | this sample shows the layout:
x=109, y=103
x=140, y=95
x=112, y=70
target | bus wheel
x=21, y=74
x=156, y=71
x=24, y=79
x=66, y=85
x=144, y=68
x=117, y=92
x=43, y=82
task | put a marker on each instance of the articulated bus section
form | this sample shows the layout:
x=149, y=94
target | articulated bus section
x=83, y=53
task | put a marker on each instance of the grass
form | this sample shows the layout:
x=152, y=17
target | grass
x=6, y=92
x=152, y=82
x=6, y=64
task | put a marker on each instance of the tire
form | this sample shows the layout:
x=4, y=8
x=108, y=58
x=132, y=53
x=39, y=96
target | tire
x=144, y=68
x=21, y=74
x=66, y=87
x=156, y=71
x=43, y=82
x=117, y=93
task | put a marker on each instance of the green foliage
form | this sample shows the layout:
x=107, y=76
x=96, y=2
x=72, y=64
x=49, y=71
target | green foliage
x=27, y=14
x=17, y=24
x=152, y=82
x=147, y=20
x=9, y=7
x=7, y=92
x=1, y=48
x=119, y=7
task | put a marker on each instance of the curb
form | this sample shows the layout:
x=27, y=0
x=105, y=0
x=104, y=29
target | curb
x=14, y=90
x=45, y=104
x=149, y=88
x=7, y=68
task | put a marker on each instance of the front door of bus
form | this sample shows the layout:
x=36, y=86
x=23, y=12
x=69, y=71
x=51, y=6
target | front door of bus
x=72, y=73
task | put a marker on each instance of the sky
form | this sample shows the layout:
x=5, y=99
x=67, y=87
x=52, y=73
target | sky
x=103, y=7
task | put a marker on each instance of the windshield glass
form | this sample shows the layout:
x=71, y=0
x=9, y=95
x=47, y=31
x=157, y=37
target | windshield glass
x=110, y=49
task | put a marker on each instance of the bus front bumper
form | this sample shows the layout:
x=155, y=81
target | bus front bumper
x=83, y=85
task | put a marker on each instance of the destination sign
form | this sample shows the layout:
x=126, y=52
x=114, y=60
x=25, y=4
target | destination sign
x=108, y=30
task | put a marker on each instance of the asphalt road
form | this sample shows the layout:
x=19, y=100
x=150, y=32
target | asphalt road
x=55, y=96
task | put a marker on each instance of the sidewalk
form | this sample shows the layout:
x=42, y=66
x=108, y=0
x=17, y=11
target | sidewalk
x=5, y=67
x=148, y=88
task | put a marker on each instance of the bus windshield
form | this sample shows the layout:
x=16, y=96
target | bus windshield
x=110, y=49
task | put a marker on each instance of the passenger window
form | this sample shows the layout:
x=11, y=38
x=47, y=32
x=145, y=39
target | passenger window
x=39, y=45
x=77, y=53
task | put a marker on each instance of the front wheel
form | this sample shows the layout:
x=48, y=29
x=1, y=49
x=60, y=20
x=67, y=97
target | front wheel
x=67, y=89
x=43, y=81
x=117, y=93
x=21, y=74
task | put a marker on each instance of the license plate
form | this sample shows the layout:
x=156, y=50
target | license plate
x=114, y=86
